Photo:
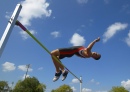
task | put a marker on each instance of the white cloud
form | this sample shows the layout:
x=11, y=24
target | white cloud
x=7, y=66
x=101, y=91
x=82, y=1
x=24, y=68
x=25, y=36
x=77, y=40
x=33, y=9
x=113, y=29
x=86, y=90
x=73, y=88
x=23, y=77
x=126, y=84
x=125, y=8
x=95, y=82
x=127, y=39
x=40, y=68
x=75, y=81
x=106, y=1
x=8, y=15
x=55, y=34
x=92, y=80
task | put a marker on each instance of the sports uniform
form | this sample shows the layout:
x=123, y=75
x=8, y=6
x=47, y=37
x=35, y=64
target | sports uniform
x=69, y=52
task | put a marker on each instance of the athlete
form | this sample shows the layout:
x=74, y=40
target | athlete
x=83, y=52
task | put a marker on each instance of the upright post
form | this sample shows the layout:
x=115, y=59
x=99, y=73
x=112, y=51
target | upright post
x=9, y=27
x=80, y=84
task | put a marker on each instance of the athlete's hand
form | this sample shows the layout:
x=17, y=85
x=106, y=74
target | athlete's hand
x=98, y=39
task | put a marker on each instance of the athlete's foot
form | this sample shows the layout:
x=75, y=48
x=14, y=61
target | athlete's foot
x=57, y=76
x=64, y=75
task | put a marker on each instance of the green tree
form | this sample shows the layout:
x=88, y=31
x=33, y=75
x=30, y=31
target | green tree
x=3, y=86
x=29, y=85
x=118, y=89
x=63, y=88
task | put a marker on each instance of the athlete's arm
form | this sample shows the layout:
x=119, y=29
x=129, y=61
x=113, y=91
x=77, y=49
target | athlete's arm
x=92, y=44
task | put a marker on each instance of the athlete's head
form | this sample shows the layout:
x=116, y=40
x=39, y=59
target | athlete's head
x=96, y=55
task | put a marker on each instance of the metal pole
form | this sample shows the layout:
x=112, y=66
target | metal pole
x=9, y=27
x=12, y=86
x=80, y=83
x=27, y=69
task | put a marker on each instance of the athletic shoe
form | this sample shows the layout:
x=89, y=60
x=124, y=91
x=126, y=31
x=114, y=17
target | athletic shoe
x=57, y=76
x=64, y=75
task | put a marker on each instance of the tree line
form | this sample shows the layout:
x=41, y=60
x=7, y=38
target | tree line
x=32, y=84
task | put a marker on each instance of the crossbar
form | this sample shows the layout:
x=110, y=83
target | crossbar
x=22, y=27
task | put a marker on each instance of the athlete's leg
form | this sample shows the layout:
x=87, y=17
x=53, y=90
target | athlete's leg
x=58, y=66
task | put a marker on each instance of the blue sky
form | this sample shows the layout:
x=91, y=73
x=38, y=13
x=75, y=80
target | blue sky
x=64, y=23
